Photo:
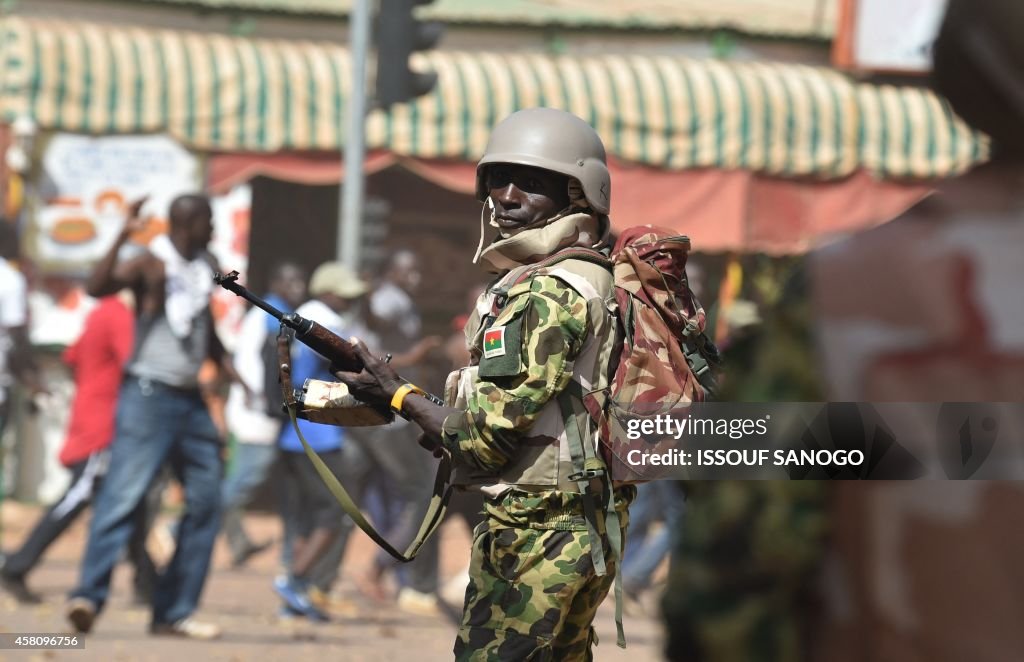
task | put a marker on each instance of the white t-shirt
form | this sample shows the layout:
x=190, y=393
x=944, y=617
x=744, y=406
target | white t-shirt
x=248, y=421
x=13, y=314
x=392, y=305
x=346, y=325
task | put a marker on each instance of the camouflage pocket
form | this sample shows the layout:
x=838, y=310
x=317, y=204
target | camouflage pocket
x=511, y=550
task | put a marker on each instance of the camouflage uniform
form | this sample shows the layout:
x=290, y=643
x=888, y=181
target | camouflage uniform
x=539, y=338
x=743, y=565
x=533, y=591
x=533, y=588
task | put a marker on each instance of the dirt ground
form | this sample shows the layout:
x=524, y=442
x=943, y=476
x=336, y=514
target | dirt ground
x=243, y=603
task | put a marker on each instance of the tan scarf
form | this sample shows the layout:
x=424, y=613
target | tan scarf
x=533, y=244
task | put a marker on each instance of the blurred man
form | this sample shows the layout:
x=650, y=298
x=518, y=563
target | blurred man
x=319, y=520
x=927, y=308
x=15, y=352
x=161, y=417
x=743, y=567
x=389, y=454
x=97, y=359
x=250, y=417
x=930, y=308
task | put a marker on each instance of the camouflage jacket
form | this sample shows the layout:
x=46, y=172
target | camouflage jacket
x=528, y=340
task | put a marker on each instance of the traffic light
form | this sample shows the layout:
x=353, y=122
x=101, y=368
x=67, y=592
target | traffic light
x=373, y=251
x=399, y=35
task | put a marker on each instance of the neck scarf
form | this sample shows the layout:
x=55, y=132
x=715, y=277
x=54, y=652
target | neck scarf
x=187, y=287
x=532, y=244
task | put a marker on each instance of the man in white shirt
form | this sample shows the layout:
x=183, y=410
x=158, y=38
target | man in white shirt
x=16, y=362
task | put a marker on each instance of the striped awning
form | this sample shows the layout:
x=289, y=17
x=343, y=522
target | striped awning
x=219, y=93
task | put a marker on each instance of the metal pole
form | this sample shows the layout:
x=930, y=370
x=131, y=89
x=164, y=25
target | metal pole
x=350, y=223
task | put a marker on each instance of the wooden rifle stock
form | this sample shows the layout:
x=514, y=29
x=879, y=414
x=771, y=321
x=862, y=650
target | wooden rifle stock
x=339, y=352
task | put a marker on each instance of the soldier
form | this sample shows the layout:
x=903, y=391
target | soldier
x=512, y=416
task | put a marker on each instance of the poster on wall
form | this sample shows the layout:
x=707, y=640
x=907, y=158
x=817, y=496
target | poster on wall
x=82, y=197
x=87, y=184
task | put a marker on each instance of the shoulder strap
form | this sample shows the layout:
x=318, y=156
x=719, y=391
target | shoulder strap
x=595, y=486
x=592, y=281
x=584, y=254
x=442, y=481
x=435, y=511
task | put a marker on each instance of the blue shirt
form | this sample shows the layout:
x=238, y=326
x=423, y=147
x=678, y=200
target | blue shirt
x=307, y=364
x=273, y=326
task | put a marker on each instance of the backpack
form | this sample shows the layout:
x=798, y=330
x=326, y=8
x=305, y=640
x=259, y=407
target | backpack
x=666, y=360
x=663, y=359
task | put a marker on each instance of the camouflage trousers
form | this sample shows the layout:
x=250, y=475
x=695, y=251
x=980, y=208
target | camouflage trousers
x=742, y=570
x=533, y=591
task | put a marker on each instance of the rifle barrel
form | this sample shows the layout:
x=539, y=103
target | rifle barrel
x=260, y=303
x=230, y=283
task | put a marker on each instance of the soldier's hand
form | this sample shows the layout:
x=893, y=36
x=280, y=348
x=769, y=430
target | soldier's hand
x=431, y=445
x=377, y=382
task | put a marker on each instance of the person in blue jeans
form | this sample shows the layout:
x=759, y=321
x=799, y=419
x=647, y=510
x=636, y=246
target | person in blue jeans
x=254, y=413
x=161, y=417
x=656, y=500
x=313, y=519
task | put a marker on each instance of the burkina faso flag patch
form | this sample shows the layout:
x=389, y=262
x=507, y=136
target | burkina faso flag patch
x=494, y=342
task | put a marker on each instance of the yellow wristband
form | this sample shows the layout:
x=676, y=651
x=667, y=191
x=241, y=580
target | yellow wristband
x=399, y=397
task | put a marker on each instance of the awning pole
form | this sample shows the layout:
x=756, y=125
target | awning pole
x=350, y=222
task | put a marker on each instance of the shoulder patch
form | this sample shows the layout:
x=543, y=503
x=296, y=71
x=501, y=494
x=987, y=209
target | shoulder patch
x=494, y=342
x=503, y=350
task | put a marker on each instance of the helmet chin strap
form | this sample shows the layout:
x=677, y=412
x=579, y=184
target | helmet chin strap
x=486, y=211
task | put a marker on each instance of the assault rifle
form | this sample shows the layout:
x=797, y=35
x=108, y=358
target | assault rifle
x=332, y=404
x=338, y=351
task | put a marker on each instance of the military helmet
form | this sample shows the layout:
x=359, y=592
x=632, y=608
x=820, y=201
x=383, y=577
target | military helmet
x=553, y=140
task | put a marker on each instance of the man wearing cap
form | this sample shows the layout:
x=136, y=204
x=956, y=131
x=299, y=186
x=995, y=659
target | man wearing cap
x=514, y=423
x=319, y=519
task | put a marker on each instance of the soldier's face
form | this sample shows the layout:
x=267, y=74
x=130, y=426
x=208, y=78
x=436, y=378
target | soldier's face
x=524, y=196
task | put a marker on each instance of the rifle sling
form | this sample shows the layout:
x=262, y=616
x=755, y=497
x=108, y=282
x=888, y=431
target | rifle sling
x=435, y=512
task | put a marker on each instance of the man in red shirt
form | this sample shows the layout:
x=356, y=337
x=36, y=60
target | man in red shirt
x=97, y=360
